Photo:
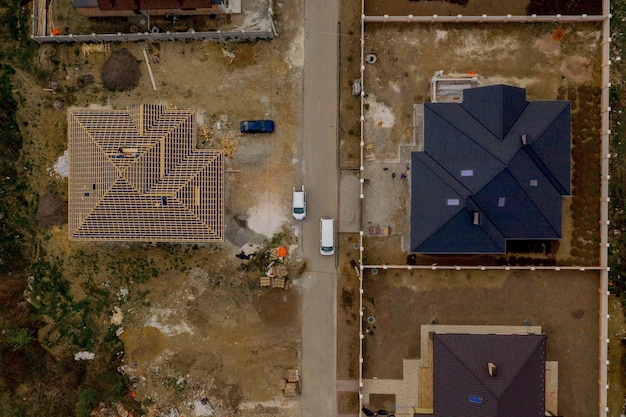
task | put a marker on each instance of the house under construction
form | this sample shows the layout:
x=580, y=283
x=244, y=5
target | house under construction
x=136, y=175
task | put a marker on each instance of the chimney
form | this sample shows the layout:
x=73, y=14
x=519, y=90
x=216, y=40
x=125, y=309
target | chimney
x=476, y=218
x=525, y=140
x=491, y=368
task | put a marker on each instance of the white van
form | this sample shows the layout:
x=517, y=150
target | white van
x=299, y=204
x=327, y=236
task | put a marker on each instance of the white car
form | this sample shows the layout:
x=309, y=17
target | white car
x=299, y=203
x=327, y=236
x=356, y=87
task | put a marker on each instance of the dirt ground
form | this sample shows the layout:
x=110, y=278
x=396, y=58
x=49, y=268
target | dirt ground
x=526, y=56
x=201, y=328
x=522, y=55
x=565, y=305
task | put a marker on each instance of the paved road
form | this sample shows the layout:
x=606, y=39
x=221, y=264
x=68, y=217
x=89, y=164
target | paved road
x=319, y=303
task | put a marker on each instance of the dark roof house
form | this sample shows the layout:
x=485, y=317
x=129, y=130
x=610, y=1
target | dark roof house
x=480, y=375
x=494, y=168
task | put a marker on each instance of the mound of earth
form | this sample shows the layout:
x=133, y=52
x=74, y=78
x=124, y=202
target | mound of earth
x=121, y=71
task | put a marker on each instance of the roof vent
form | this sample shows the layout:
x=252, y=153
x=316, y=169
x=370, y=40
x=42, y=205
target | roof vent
x=477, y=218
x=491, y=368
x=525, y=140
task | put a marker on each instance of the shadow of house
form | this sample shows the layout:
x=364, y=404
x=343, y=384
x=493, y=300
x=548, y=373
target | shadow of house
x=494, y=168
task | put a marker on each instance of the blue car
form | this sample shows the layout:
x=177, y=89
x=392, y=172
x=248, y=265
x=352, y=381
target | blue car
x=257, y=126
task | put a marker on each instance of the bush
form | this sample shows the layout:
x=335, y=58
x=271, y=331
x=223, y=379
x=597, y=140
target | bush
x=86, y=401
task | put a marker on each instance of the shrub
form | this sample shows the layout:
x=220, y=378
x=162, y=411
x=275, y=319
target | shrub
x=86, y=401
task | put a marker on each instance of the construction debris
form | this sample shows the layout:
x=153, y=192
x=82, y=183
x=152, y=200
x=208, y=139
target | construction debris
x=230, y=143
x=89, y=48
x=58, y=104
x=280, y=271
x=117, y=316
x=448, y=88
x=206, y=135
x=84, y=356
x=278, y=282
x=291, y=384
x=370, y=156
x=275, y=282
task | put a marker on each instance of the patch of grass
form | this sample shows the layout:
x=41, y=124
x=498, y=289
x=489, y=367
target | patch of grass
x=18, y=339
x=86, y=400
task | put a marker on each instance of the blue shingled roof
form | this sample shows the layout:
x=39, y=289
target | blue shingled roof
x=475, y=161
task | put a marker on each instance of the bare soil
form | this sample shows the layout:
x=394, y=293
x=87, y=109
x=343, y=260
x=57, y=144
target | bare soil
x=348, y=309
x=552, y=62
x=195, y=325
x=52, y=211
x=527, y=56
x=617, y=358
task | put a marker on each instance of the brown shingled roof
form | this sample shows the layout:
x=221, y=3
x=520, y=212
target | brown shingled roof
x=463, y=386
x=153, y=4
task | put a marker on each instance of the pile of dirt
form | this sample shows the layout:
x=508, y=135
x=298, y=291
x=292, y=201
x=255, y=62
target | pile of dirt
x=121, y=71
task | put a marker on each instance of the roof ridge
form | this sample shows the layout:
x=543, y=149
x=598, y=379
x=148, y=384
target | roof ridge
x=475, y=143
x=465, y=366
x=485, y=128
x=487, y=219
x=565, y=103
x=541, y=164
x=521, y=112
x=426, y=163
x=541, y=342
x=532, y=200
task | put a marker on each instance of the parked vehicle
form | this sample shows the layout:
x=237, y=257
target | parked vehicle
x=327, y=236
x=356, y=87
x=257, y=126
x=299, y=203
